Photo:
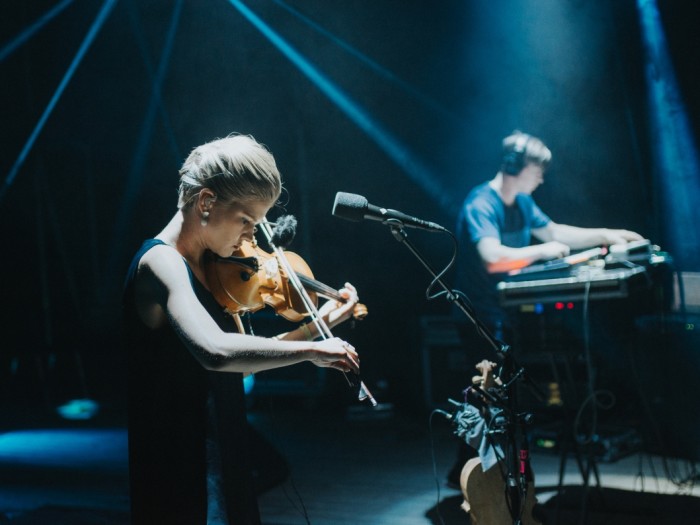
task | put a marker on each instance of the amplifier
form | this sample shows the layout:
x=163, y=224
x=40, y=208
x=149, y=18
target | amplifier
x=447, y=362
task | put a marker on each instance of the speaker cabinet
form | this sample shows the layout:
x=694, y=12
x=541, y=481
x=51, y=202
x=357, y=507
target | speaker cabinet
x=450, y=350
x=668, y=373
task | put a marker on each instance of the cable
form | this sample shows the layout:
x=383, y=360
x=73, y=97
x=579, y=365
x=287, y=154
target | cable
x=591, y=392
x=434, y=462
x=441, y=273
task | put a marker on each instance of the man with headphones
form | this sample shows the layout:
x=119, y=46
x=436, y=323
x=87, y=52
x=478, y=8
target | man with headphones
x=499, y=218
x=495, y=228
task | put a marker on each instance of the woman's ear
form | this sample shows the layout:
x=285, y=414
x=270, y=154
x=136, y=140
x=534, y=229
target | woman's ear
x=206, y=199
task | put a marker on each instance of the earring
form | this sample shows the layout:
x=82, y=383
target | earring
x=205, y=218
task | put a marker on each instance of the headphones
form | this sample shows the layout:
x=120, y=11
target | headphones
x=513, y=160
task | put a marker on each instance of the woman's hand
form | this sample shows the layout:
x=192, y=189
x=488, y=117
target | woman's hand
x=336, y=353
x=336, y=312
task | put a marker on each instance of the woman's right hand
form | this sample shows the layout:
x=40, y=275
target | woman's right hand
x=336, y=353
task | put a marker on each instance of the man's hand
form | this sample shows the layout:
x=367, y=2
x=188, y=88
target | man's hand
x=621, y=236
x=553, y=250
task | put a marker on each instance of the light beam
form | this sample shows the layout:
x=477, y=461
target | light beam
x=87, y=42
x=674, y=153
x=420, y=173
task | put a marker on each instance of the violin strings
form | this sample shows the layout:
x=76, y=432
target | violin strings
x=319, y=287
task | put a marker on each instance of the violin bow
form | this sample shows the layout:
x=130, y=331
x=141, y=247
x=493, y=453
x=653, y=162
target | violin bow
x=325, y=332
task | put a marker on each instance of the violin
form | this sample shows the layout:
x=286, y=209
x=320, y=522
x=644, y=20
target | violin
x=252, y=278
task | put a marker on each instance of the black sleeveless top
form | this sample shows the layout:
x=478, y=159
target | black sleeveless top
x=189, y=459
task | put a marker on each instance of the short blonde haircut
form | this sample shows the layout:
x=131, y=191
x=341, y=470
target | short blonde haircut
x=236, y=168
x=532, y=149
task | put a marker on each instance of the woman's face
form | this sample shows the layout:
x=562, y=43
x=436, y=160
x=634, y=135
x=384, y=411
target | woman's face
x=231, y=224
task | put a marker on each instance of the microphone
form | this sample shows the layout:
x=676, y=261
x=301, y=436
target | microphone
x=352, y=207
x=284, y=231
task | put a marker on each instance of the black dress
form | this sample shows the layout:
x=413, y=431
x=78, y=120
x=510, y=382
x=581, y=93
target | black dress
x=189, y=460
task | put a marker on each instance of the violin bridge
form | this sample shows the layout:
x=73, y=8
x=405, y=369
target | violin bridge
x=272, y=271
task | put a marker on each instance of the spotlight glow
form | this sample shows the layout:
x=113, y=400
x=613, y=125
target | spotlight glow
x=673, y=148
x=382, y=137
x=87, y=42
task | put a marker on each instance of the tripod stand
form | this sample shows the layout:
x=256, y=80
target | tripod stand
x=514, y=423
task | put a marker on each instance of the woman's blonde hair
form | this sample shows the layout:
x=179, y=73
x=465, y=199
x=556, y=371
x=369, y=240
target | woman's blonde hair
x=235, y=168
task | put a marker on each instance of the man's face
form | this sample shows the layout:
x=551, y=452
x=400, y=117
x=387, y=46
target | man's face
x=530, y=178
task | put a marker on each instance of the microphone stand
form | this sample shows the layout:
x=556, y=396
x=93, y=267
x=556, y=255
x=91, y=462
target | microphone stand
x=516, y=449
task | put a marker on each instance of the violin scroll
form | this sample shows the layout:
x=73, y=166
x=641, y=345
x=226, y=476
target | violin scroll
x=359, y=312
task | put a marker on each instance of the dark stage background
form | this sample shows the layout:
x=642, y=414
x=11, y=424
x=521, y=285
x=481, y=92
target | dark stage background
x=428, y=91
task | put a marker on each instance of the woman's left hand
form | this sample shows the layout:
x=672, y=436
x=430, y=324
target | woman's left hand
x=336, y=312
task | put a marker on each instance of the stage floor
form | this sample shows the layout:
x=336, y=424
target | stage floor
x=325, y=467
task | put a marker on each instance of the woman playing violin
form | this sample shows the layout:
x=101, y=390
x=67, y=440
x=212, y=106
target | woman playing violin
x=188, y=457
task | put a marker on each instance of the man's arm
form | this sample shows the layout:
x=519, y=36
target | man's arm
x=498, y=258
x=580, y=238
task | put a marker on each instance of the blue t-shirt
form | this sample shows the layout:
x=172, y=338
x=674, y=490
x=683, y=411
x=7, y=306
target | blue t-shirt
x=484, y=214
x=487, y=215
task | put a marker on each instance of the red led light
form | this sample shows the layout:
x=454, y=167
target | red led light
x=570, y=306
x=559, y=306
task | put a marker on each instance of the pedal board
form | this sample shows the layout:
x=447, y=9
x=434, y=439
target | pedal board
x=609, y=444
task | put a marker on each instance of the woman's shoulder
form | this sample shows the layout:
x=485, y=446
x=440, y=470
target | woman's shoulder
x=157, y=248
x=162, y=261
